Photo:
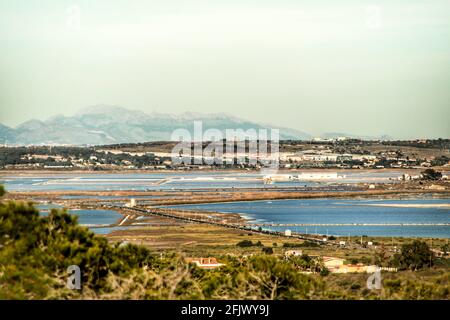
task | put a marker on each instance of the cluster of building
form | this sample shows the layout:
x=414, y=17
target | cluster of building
x=338, y=265
x=205, y=263
x=328, y=158
x=333, y=264
x=291, y=155
x=305, y=176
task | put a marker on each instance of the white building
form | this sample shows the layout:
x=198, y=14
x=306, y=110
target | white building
x=131, y=204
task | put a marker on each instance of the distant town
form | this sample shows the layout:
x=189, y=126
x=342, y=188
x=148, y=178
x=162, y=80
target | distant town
x=340, y=153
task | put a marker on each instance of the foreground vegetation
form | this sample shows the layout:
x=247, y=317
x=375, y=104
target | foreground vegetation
x=35, y=252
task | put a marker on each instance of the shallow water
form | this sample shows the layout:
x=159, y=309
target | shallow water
x=87, y=217
x=317, y=211
x=343, y=211
x=106, y=230
x=170, y=181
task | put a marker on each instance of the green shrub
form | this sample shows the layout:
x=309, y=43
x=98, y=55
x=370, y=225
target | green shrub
x=324, y=272
x=290, y=245
x=414, y=256
x=49, y=245
x=306, y=244
x=355, y=286
x=244, y=243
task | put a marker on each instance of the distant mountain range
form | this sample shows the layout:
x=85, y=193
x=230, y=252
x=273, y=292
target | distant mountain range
x=111, y=124
x=100, y=125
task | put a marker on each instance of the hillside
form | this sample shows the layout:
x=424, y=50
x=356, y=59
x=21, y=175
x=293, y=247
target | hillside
x=111, y=124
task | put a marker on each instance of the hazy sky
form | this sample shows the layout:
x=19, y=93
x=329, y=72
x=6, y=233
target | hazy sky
x=362, y=67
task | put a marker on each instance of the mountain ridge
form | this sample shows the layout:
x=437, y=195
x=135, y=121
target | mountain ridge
x=103, y=124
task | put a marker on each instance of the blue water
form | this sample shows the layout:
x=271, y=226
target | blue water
x=168, y=181
x=90, y=217
x=106, y=230
x=68, y=197
x=96, y=216
x=336, y=211
x=282, y=211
